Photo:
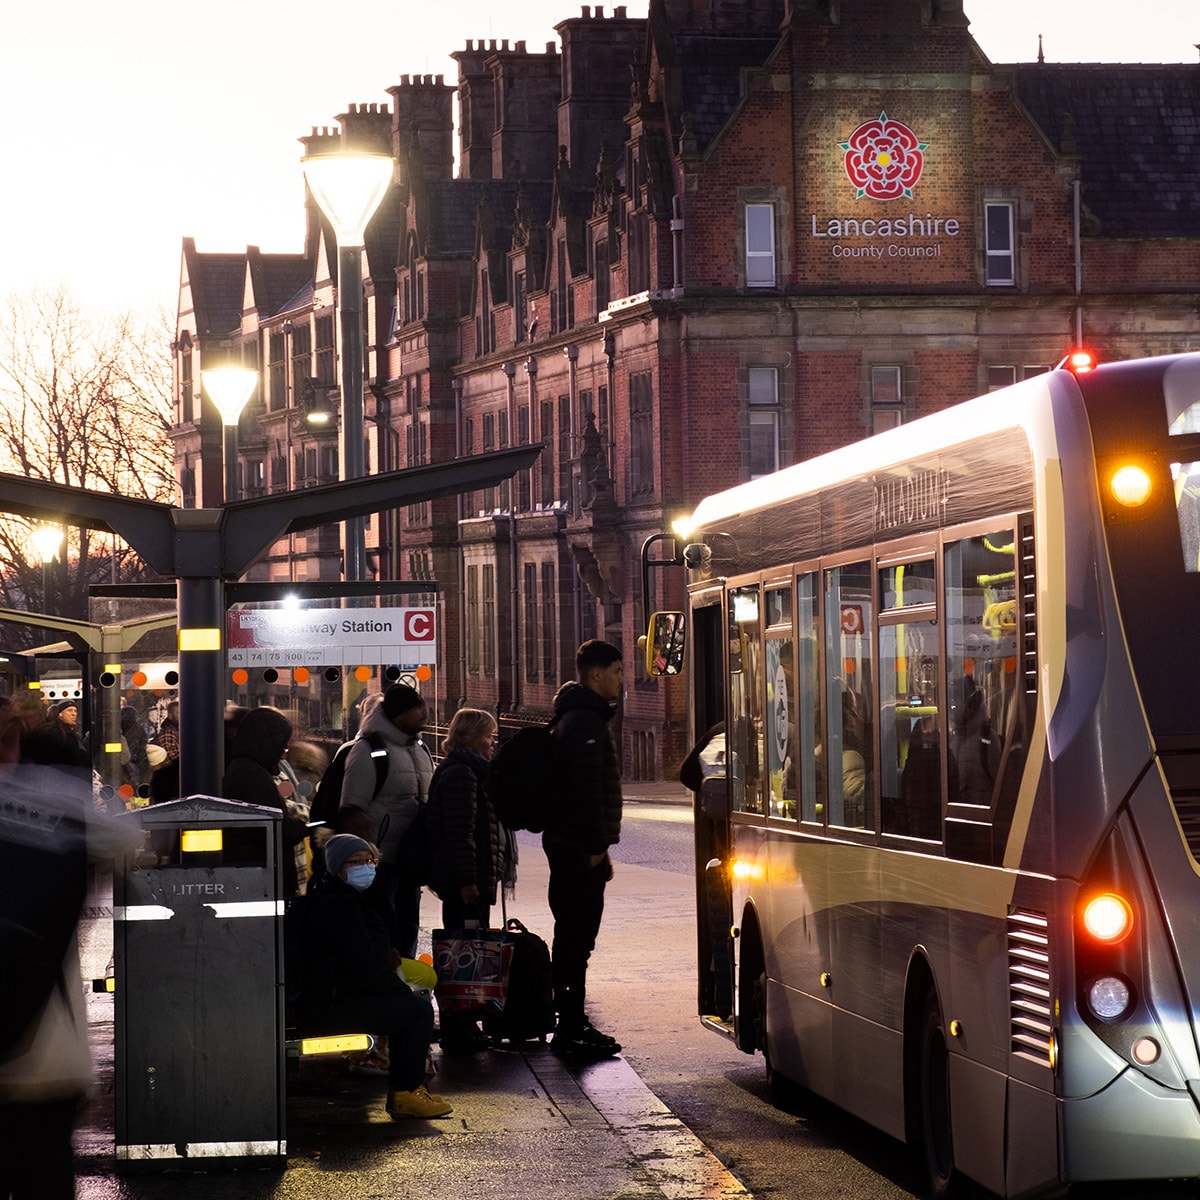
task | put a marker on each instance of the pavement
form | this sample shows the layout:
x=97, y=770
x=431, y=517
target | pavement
x=526, y=1124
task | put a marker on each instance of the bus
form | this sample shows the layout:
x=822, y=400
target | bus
x=948, y=824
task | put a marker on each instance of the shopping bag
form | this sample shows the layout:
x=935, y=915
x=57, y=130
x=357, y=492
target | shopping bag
x=472, y=967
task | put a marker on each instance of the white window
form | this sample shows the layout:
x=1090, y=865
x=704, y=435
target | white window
x=760, y=245
x=999, y=247
x=887, y=399
x=763, y=400
x=1002, y=376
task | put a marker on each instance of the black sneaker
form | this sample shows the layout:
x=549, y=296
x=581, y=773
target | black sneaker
x=586, y=1041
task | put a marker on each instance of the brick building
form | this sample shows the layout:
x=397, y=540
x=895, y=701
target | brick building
x=682, y=251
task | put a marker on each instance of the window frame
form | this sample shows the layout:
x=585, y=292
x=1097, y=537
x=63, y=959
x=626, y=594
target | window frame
x=993, y=255
x=756, y=254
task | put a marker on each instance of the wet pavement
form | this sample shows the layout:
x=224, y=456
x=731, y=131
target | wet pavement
x=525, y=1124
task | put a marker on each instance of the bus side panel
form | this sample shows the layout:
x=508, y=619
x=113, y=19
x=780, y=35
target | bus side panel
x=802, y=1039
x=977, y=1094
x=871, y=1072
x=1032, y=1140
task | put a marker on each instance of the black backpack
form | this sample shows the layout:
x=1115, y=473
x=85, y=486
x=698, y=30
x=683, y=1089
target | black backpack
x=328, y=797
x=523, y=784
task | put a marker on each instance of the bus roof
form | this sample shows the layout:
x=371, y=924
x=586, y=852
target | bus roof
x=1004, y=409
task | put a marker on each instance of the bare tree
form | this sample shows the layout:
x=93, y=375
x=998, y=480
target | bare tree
x=84, y=402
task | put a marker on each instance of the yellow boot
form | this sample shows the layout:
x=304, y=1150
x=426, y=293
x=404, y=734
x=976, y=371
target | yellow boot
x=417, y=1103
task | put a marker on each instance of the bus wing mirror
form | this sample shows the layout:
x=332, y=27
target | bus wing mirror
x=664, y=644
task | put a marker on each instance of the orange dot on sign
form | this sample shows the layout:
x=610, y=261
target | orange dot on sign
x=139, y=678
x=241, y=676
x=362, y=674
x=425, y=958
x=300, y=674
x=125, y=791
x=424, y=673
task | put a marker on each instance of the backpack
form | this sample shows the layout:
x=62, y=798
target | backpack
x=328, y=797
x=523, y=784
x=529, y=1003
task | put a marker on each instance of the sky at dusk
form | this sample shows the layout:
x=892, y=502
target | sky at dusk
x=134, y=124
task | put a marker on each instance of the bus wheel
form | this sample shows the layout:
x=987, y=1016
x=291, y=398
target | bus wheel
x=937, y=1140
x=779, y=1087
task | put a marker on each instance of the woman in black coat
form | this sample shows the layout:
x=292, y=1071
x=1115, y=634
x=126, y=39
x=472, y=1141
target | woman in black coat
x=468, y=846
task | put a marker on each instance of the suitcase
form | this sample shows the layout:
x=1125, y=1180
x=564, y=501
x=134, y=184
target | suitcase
x=529, y=1005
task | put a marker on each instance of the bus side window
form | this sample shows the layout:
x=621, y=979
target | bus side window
x=849, y=696
x=808, y=700
x=912, y=715
x=744, y=725
x=981, y=658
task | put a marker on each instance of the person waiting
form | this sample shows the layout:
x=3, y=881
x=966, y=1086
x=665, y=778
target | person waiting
x=350, y=978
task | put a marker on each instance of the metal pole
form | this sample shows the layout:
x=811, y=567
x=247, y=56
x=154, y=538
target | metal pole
x=229, y=453
x=350, y=311
x=201, y=686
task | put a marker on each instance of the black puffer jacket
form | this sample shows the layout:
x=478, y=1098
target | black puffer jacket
x=588, y=767
x=345, y=951
x=250, y=777
x=467, y=843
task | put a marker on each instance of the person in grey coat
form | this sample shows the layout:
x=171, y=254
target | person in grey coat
x=385, y=815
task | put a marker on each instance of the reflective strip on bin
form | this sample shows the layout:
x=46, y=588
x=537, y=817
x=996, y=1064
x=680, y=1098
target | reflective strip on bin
x=185, y=1150
x=142, y=912
x=248, y=908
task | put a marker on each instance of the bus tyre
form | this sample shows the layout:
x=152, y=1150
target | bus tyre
x=780, y=1088
x=933, y=1098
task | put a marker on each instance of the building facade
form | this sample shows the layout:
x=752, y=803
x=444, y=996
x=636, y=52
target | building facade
x=682, y=251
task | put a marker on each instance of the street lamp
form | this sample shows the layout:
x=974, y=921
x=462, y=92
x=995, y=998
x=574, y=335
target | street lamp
x=349, y=188
x=47, y=541
x=230, y=389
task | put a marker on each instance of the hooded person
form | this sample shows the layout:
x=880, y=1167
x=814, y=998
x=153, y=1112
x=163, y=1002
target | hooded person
x=352, y=980
x=261, y=742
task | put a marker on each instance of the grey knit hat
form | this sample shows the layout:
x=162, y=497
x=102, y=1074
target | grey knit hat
x=340, y=847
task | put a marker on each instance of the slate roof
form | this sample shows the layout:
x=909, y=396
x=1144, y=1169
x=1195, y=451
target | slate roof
x=1137, y=129
x=712, y=76
x=452, y=211
x=217, y=281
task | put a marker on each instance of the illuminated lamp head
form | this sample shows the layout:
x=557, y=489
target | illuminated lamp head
x=1130, y=485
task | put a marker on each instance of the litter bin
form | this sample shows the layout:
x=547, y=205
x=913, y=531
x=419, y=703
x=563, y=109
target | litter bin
x=198, y=963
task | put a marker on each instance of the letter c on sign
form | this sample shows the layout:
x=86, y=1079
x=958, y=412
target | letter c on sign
x=418, y=626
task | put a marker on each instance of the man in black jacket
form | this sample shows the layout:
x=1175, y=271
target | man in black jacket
x=587, y=823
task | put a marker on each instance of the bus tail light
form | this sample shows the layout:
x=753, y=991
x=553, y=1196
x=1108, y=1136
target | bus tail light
x=1108, y=918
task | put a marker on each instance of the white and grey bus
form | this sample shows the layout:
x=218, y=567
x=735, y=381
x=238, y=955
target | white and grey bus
x=948, y=842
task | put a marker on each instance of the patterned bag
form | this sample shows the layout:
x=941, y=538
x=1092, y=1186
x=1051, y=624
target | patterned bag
x=472, y=967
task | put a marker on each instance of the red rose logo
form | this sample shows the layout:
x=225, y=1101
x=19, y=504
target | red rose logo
x=884, y=159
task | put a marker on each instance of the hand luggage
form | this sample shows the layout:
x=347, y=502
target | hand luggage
x=528, y=1012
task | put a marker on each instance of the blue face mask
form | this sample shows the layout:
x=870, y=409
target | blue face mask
x=360, y=876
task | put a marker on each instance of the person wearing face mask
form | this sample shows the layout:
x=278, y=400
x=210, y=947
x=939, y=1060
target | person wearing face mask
x=350, y=978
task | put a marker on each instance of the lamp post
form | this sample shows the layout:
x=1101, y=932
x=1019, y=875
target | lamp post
x=48, y=541
x=230, y=389
x=349, y=188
